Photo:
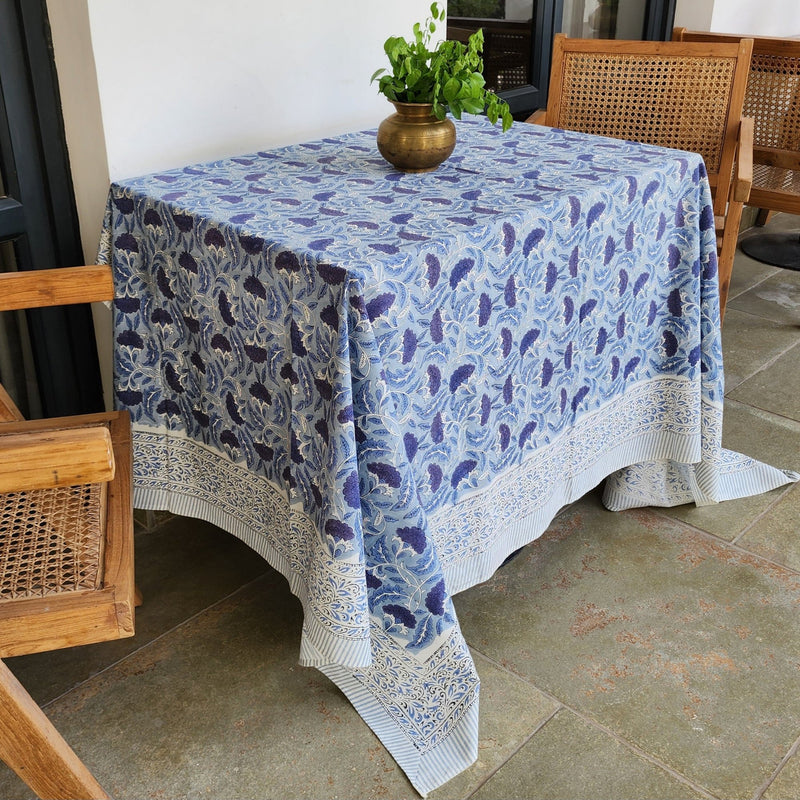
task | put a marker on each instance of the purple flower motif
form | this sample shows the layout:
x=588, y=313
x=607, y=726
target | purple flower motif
x=163, y=284
x=674, y=303
x=573, y=262
x=127, y=305
x=324, y=388
x=124, y=204
x=233, y=411
x=531, y=240
x=161, y=317
x=330, y=274
x=631, y=366
x=460, y=375
x=640, y=283
x=379, y=305
x=694, y=355
x=225, y=309
x=505, y=436
x=126, y=242
x=401, y=615
x=330, y=316
x=563, y=399
x=506, y=340
x=594, y=214
x=621, y=322
x=386, y=473
x=629, y=234
x=526, y=433
x=460, y=271
x=409, y=345
x=152, y=218
x=254, y=286
x=411, y=445
x=509, y=237
x=253, y=245
x=256, y=354
x=680, y=220
x=670, y=344
x=435, y=477
x=287, y=260
x=372, y=581
x=651, y=314
x=287, y=373
x=462, y=470
x=614, y=368
x=260, y=392
x=437, y=428
x=632, y=187
x=434, y=269
x=229, y=438
x=434, y=379
x=202, y=418
x=547, y=372
x=611, y=249
x=586, y=309
x=437, y=329
x=172, y=379
x=662, y=226
x=198, y=362
x=296, y=338
x=623, y=281
x=510, y=292
x=434, y=600
x=486, y=408
x=130, y=339
x=294, y=448
x=674, y=257
x=317, y=495
x=568, y=357
x=508, y=391
x=338, y=530
x=484, y=309
x=648, y=192
x=528, y=340
x=346, y=414
x=213, y=238
x=192, y=324
x=602, y=338
x=578, y=398
x=129, y=397
x=552, y=276
x=569, y=309
x=351, y=491
x=321, y=427
x=413, y=536
x=183, y=222
x=169, y=408
x=574, y=211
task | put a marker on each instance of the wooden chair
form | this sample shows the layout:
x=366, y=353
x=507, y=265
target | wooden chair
x=674, y=94
x=772, y=99
x=66, y=543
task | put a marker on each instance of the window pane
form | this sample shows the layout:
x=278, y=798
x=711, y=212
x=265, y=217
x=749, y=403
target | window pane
x=604, y=19
x=507, y=37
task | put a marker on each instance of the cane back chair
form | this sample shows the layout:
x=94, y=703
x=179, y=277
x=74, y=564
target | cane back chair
x=772, y=99
x=687, y=96
x=66, y=543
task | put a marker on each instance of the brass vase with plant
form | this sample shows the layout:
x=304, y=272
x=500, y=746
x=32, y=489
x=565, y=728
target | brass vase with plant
x=426, y=83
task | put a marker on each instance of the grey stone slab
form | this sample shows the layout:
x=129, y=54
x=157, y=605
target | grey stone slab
x=777, y=297
x=786, y=785
x=679, y=644
x=181, y=568
x=776, y=536
x=569, y=759
x=776, y=388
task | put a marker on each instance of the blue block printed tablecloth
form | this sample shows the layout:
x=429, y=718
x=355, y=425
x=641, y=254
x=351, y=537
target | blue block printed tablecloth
x=386, y=383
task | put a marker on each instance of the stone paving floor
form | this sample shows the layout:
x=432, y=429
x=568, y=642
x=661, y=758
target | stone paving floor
x=650, y=654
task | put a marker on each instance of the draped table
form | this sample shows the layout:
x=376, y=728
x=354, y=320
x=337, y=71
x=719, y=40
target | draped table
x=386, y=383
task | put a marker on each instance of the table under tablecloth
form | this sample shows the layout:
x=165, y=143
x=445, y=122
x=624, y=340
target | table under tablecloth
x=385, y=383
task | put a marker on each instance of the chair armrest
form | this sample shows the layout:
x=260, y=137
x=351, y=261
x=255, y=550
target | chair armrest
x=743, y=178
x=46, y=459
x=538, y=117
x=53, y=287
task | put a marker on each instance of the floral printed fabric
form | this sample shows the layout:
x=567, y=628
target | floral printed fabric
x=385, y=383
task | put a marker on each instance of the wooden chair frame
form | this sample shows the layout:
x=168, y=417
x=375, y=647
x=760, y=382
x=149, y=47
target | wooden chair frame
x=35, y=455
x=672, y=117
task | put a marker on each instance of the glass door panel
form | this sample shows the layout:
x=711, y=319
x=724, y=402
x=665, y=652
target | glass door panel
x=604, y=19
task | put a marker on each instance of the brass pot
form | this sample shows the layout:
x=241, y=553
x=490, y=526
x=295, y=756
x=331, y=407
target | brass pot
x=413, y=140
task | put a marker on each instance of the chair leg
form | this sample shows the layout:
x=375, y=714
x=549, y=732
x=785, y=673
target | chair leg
x=36, y=751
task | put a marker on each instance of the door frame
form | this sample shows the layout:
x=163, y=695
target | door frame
x=38, y=183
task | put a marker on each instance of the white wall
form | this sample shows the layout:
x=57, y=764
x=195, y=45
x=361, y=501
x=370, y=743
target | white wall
x=756, y=17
